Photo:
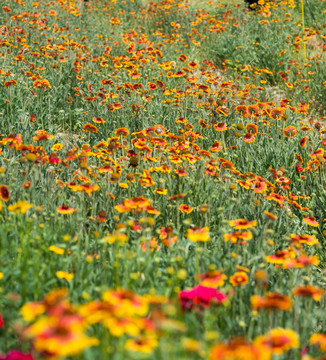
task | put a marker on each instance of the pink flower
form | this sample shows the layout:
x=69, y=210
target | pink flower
x=201, y=296
x=16, y=355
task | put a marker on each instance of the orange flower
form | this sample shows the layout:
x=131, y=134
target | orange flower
x=90, y=128
x=185, y=208
x=290, y=131
x=249, y=138
x=10, y=83
x=272, y=301
x=252, y=129
x=310, y=220
x=239, y=278
x=122, y=131
x=238, y=237
x=239, y=349
x=279, y=341
x=308, y=291
x=320, y=340
x=65, y=210
x=220, y=127
x=242, y=224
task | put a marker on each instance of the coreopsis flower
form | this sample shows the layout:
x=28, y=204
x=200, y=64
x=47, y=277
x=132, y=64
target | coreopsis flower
x=239, y=349
x=20, y=207
x=271, y=301
x=198, y=234
x=64, y=275
x=279, y=340
x=239, y=278
x=201, y=296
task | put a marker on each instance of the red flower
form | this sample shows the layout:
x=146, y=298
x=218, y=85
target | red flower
x=4, y=193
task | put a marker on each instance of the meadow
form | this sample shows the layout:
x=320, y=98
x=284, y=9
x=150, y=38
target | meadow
x=162, y=180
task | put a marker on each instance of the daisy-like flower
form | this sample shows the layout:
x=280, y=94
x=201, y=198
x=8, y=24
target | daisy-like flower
x=290, y=132
x=249, y=138
x=20, y=207
x=4, y=193
x=279, y=341
x=239, y=278
x=242, y=224
x=184, y=208
x=271, y=301
x=198, y=234
x=310, y=220
x=309, y=291
x=220, y=127
x=65, y=210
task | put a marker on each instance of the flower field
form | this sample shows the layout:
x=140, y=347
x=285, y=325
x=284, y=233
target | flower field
x=162, y=180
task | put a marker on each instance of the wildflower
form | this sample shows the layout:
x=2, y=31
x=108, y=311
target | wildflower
x=238, y=237
x=308, y=291
x=239, y=349
x=42, y=135
x=249, y=138
x=4, y=193
x=239, y=278
x=242, y=224
x=185, y=208
x=143, y=344
x=198, y=234
x=20, y=207
x=64, y=275
x=271, y=301
x=90, y=128
x=290, y=131
x=213, y=279
x=310, y=220
x=65, y=210
x=201, y=296
x=279, y=340
x=16, y=355
x=160, y=191
x=320, y=340
x=57, y=250
x=220, y=127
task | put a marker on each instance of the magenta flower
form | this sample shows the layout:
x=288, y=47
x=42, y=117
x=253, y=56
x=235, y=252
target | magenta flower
x=201, y=296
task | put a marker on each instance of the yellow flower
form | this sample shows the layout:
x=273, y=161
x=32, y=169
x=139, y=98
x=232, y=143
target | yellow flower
x=1, y=275
x=198, y=234
x=20, y=207
x=57, y=250
x=64, y=275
